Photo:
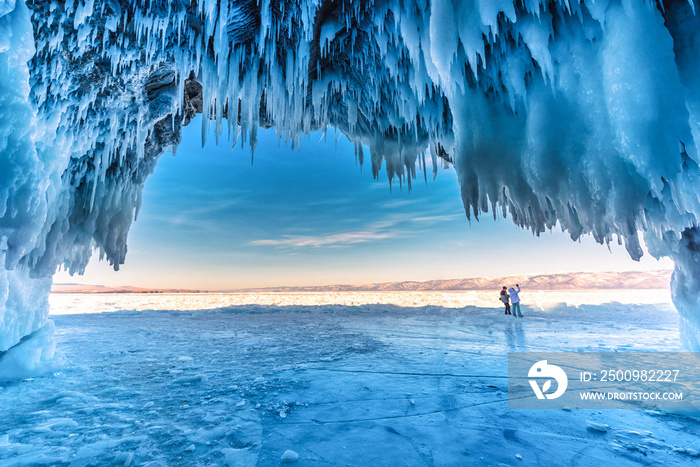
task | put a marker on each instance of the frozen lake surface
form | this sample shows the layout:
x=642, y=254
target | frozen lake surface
x=330, y=379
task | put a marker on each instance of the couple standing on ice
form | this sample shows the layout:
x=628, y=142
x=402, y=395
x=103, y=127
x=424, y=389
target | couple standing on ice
x=511, y=295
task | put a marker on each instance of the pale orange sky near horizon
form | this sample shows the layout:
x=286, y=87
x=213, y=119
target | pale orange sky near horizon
x=583, y=256
x=101, y=274
x=211, y=220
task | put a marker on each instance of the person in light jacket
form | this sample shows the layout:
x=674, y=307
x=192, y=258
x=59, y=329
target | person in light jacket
x=505, y=299
x=515, y=300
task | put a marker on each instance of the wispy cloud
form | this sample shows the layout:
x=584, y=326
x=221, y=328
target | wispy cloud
x=394, y=226
x=436, y=219
x=338, y=239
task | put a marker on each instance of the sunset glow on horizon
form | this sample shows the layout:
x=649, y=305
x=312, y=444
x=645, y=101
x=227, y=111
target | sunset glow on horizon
x=212, y=220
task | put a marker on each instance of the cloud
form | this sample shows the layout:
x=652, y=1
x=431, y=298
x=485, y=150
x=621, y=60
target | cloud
x=380, y=230
x=436, y=219
x=394, y=226
x=337, y=239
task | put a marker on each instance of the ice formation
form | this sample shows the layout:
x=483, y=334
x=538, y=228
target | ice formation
x=572, y=114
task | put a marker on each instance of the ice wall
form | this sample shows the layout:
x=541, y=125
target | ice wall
x=572, y=114
x=25, y=178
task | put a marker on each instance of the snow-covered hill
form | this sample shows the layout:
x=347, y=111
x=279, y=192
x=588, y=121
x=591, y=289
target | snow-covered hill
x=565, y=281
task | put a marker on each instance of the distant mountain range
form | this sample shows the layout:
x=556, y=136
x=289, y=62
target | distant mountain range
x=658, y=279
x=84, y=288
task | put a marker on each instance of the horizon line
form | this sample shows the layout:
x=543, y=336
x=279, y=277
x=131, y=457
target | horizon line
x=349, y=287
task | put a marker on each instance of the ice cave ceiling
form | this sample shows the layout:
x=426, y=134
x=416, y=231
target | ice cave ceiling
x=573, y=114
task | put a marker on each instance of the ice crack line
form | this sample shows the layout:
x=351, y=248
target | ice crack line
x=407, y=373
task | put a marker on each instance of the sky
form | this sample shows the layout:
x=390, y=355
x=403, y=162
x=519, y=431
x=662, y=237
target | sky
x=213, y=220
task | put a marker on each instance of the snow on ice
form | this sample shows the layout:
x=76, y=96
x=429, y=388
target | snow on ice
x=581, y=115
x=380, y=384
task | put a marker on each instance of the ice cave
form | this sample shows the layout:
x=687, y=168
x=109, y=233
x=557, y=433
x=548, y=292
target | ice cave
x=580, y=115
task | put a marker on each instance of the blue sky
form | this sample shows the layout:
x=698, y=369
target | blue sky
x=212, y=220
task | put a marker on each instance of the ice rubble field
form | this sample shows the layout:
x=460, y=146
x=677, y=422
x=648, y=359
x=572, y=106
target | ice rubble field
x=98, y=303
x=348, y=383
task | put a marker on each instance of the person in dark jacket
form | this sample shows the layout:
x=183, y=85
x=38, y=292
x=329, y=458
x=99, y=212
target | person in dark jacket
x=505, y=299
